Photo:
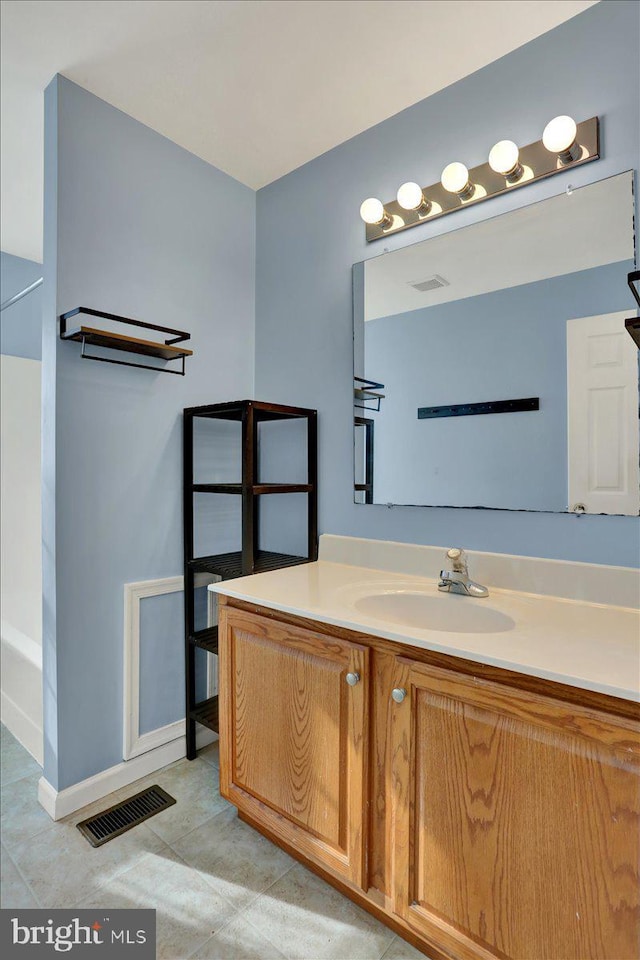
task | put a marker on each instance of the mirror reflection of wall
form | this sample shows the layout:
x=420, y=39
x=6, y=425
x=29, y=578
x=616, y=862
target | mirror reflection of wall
x=530, y=304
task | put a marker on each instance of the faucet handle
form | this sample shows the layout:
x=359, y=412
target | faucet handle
x=458, y=559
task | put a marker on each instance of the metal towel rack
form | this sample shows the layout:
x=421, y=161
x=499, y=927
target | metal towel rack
x=19, y=296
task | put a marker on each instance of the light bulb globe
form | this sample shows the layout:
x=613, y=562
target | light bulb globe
x=372, y=210
x=410, y=196
x=455, y=178
x=559, y=134
x=503, y=157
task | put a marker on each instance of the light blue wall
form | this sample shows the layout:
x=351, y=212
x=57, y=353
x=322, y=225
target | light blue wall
x=161, y=659
x=309, y=234
x=503, y=345
x=21, y=323
x=139, y=227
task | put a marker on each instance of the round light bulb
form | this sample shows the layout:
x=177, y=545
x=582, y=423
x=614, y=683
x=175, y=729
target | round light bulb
x=372, y=211
x=410, y=196
x=503, y=157
x=455, y=179
x=560, y=134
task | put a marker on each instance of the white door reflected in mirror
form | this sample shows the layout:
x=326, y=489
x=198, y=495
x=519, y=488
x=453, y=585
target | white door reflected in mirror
x=602, y=406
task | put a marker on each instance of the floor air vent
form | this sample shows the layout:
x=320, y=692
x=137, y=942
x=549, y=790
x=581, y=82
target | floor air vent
x=125, y=815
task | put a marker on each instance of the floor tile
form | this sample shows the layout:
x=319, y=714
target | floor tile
x=211, y=753
x=235, y=859
x=15, y=761
x=188, y=911
x=239, y=940
x=62, y=867
x=22, y=816
x=194, y=785
x=307, y=919
x=14, y=892
x=401, y=950
x=221, y=890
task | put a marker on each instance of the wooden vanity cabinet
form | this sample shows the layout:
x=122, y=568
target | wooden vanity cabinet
x=481, y=816
x=516, y=820
x=294, y=708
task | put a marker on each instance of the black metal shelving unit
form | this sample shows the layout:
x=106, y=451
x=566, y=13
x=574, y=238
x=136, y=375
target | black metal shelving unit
x=250, y=558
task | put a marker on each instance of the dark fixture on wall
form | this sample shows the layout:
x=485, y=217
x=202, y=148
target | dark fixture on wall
x=473, y=409
x=633, y=323
x=118, y=341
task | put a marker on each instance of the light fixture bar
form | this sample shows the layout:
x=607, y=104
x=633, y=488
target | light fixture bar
x=536, y=160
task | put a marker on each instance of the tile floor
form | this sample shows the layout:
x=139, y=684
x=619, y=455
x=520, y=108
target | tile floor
x=221, y=890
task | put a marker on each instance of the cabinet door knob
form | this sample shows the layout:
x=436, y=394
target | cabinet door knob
x=352, y=679
x=398, y=694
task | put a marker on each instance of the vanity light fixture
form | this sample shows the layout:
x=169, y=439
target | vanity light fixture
x=504, y=158
x=559, y=137
x=564, y=145
x=411, y=197
x=372, y=211
x=455, y=179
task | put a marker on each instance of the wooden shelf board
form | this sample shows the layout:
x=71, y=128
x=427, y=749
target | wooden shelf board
x=229, y=565
x=206, y=713
x=120, y=341
x=206, y=639
x=258, y=489
x=367, y=394
x=262, y=488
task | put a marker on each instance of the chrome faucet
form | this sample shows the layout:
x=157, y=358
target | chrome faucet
x=456, y=580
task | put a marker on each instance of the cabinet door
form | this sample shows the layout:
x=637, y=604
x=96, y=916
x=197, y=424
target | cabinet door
x=515, y=821
x=293, y=736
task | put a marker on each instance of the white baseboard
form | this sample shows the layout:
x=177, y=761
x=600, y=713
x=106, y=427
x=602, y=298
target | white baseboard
x=59, y=804
x=22, y=727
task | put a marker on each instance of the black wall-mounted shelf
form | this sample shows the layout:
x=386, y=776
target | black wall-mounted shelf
x=119, y=341
x=366, y=392
x=250, y=558
x=473, y=409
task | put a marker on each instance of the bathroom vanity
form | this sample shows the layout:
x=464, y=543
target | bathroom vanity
x=465, y=769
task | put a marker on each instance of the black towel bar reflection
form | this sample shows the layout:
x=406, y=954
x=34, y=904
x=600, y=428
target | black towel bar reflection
x=162, y=350
x=473, y=409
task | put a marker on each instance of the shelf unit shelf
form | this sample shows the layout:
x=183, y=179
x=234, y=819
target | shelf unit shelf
x=228, y=566
x=257, y=489
x=205, y=639
x=206, y=713
x=250, y=558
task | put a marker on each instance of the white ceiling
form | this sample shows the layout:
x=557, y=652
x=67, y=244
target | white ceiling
x=255, y=87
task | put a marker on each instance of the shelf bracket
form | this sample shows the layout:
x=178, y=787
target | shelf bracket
x=128, y=363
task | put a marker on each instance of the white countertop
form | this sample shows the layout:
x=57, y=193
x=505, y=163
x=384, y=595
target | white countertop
x=594, y=646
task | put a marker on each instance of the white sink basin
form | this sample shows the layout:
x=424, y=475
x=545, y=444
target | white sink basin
x=449, y=613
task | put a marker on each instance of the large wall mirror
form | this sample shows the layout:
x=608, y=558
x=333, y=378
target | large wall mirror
x=492, y=367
